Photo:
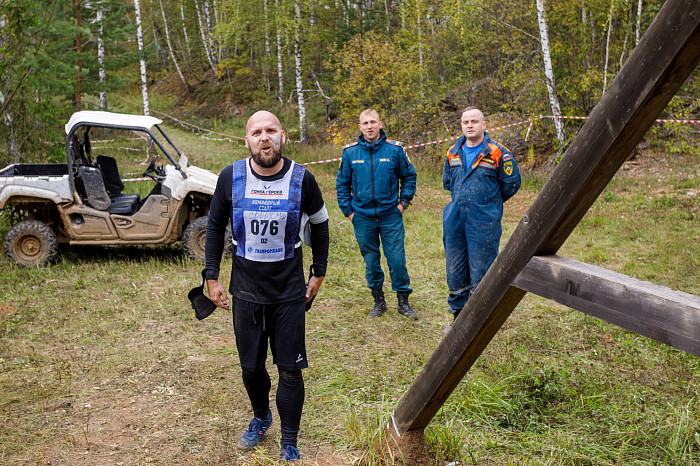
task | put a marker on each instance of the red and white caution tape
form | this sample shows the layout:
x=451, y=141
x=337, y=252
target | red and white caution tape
x=530, y=120
x=529, y=128
x=321, y=161
x=432, y=142
x=678, y=121
x=136, y=179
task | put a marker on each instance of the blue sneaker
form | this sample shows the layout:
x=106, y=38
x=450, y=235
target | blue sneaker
x=255, y=431
x=290, y=453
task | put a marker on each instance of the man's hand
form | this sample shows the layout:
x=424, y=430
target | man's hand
x=313, y=286
x=351, y=216
x=217, y=294
x=400, y=207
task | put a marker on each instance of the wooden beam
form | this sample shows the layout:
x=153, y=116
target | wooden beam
x=666, y=55
x=662, y=314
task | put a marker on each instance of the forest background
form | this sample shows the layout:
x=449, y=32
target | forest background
x=317, y=63
x=101, y=360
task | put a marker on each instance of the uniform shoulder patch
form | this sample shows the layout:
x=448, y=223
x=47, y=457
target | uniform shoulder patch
x=394, y=143
x=508, y=167
x=350, y=145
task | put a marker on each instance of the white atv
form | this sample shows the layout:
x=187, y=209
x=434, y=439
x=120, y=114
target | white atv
x=83, y=201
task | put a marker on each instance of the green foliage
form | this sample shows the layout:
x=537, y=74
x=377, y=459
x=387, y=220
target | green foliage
x=372, y=72
x=42, y=73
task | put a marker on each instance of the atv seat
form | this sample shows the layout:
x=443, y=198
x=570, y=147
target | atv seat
x=90, y=183
x=124, y=206
x=113, y=181
x=91, y=187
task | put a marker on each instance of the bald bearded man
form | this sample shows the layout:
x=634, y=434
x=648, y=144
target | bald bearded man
x=269, y=199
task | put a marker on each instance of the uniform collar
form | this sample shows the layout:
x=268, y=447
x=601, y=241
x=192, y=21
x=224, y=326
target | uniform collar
x=457, y=148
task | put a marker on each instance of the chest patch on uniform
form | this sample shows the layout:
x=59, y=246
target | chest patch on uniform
x=454, y=160
x=358, y=161
x=508, y=167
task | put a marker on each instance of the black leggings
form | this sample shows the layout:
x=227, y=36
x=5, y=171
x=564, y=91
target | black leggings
x=290, y=399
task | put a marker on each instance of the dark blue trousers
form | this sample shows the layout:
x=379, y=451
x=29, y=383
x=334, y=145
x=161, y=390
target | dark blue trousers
x=470, y=249
x=387, y=230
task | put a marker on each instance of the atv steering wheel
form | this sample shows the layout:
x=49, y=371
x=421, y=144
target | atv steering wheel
x=154, y=172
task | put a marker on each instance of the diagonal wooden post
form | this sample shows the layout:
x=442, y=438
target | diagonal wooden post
x=664, y=58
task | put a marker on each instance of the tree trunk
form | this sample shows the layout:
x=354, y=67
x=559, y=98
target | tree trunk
x=202, y=30
x=12, y=150
x=79, y=50
x=99, y=15
x=267, y=48
x=639, y=23
x=280, y=74
x=607, y=48
x=548, y=72
x=184, y=26
x=170, y=47
x=210, y=32
x=627, y=34
x=142, y=60
x=387, y=17
x=303, y=132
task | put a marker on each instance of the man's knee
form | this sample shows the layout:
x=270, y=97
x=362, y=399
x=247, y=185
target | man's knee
x=290, y=376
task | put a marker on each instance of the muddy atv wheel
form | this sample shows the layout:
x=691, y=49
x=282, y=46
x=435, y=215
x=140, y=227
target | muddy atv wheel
x=31, y=243
x=193, y=239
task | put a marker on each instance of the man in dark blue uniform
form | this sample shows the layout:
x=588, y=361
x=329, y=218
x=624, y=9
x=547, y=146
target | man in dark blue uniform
x=268, y=198
x=481, y=175
x=375, y=184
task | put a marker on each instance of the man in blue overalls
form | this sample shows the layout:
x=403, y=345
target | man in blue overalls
x=375, y=184
x=481, y=175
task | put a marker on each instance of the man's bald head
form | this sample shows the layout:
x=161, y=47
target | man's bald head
x=264, y=138
x=262, y=117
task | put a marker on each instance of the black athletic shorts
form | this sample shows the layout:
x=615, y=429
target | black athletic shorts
x=283, y=324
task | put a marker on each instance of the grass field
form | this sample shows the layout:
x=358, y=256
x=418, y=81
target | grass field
x=103, y=363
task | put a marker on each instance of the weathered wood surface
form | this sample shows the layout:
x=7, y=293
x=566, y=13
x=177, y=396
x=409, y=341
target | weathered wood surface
x=662, y=314
x=666, y=55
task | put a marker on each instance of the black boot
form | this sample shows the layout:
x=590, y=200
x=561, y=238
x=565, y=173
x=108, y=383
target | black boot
x=379, y=304
x=404, y=307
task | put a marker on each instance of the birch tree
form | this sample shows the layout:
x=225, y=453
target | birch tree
x=303, y=131
x=267, y=47
x=280, y=73
x=170, y=47
x=142, y=59
x=184, y=26
x=205, y=42
x=607, y=48
x=79, y=50
x=548, y=71
x=639, y=23
x=101, y=58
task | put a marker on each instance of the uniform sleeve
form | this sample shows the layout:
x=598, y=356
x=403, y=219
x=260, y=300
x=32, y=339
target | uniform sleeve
x=446, y=174
x=408, y=176
x=343, y=185
x=509, y=176
x=219, y=214
x=312, y=203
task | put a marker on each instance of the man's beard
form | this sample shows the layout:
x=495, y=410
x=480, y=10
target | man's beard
x=267, y=161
